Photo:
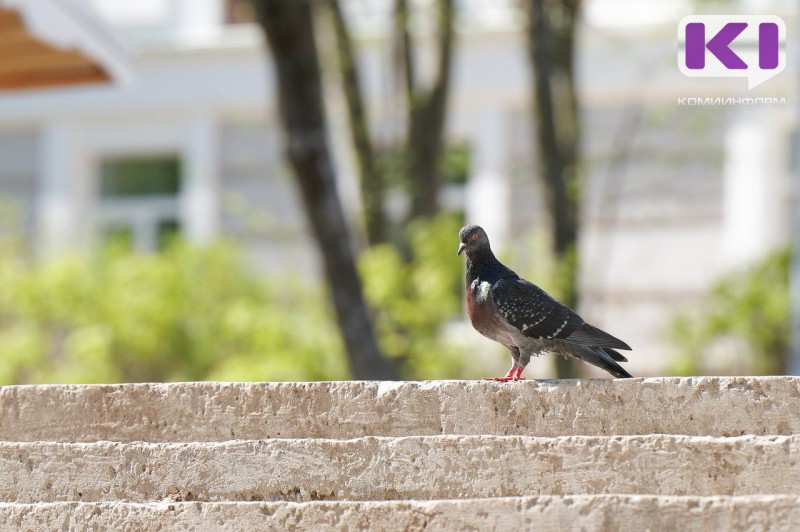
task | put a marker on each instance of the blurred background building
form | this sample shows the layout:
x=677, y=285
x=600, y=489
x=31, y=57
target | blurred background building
x=178, y=134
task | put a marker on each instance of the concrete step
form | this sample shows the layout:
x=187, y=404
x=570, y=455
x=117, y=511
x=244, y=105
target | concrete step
x=207, y=412
x=603, y=512
x=415, y=467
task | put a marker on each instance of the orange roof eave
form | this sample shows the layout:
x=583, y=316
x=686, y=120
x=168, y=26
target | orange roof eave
x=34, y=55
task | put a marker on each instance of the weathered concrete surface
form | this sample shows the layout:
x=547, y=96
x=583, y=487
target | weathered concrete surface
x=609, y=512
x=419, y=467
x=184, y=412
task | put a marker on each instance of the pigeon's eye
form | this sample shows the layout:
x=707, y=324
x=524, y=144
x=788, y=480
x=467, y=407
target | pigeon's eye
x=475, y=236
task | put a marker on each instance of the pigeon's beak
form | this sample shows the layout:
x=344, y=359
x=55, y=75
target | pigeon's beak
x=461, y=247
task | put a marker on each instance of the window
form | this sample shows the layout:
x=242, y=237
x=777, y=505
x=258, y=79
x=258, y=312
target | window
x=138, y=200
x=140, y=177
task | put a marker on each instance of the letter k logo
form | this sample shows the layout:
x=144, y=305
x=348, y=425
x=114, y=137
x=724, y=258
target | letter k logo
x=719, y=45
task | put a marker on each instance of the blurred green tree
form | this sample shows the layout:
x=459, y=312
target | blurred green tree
x=288, y=27
x=414, y=299
x=752, y=306
x=185, y=314
x=200, y=313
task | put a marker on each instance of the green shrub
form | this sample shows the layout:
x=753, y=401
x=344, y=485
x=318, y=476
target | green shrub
x=192, y=313
x=187, y=313
x=752, y=306
x=199, y=313
x=413, y=300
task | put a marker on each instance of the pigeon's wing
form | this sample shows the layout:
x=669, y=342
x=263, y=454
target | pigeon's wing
x=538, y=315
x=533, y=311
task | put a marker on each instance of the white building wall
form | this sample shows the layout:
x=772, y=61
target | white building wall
x=18, y=182
x=757, y=185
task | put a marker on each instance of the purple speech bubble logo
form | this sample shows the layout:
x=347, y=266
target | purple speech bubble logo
x=750, y=46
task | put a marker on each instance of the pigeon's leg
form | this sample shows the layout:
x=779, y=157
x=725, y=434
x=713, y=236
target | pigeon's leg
x=514, y=374
x=522, y=362
x=510, y=376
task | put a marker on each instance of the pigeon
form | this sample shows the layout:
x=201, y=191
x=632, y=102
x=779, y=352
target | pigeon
x=526, y=319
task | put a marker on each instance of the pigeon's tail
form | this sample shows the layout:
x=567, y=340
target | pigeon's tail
x=598, y=357
x=616, y=355
x=592, y=336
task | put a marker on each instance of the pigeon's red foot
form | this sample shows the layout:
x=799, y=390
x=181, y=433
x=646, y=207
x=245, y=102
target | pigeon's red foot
x=514, y=374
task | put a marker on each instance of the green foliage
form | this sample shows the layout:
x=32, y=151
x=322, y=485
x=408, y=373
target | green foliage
x=185, y=314
x=455, y=165
x=414, y=300
x=191, y=313
x=752, y=306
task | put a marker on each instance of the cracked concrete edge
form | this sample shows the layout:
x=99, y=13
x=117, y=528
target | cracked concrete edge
x=586, y=512
x=214, y=411
x=427, y=467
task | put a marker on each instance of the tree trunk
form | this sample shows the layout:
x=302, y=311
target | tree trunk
x=551, y=45
x=289, y=30
x=427, y=109
x=372, y=181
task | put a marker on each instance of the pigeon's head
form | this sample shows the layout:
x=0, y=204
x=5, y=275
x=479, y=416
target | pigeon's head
x=472, y=238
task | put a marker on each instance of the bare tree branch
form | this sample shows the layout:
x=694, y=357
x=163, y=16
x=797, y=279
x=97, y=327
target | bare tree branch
x=427, y=113
x=371, y=178
x=405, y=47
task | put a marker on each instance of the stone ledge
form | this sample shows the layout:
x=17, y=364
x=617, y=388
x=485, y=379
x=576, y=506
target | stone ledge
x=603, y=512
x=419, y=467
x=211, y=411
